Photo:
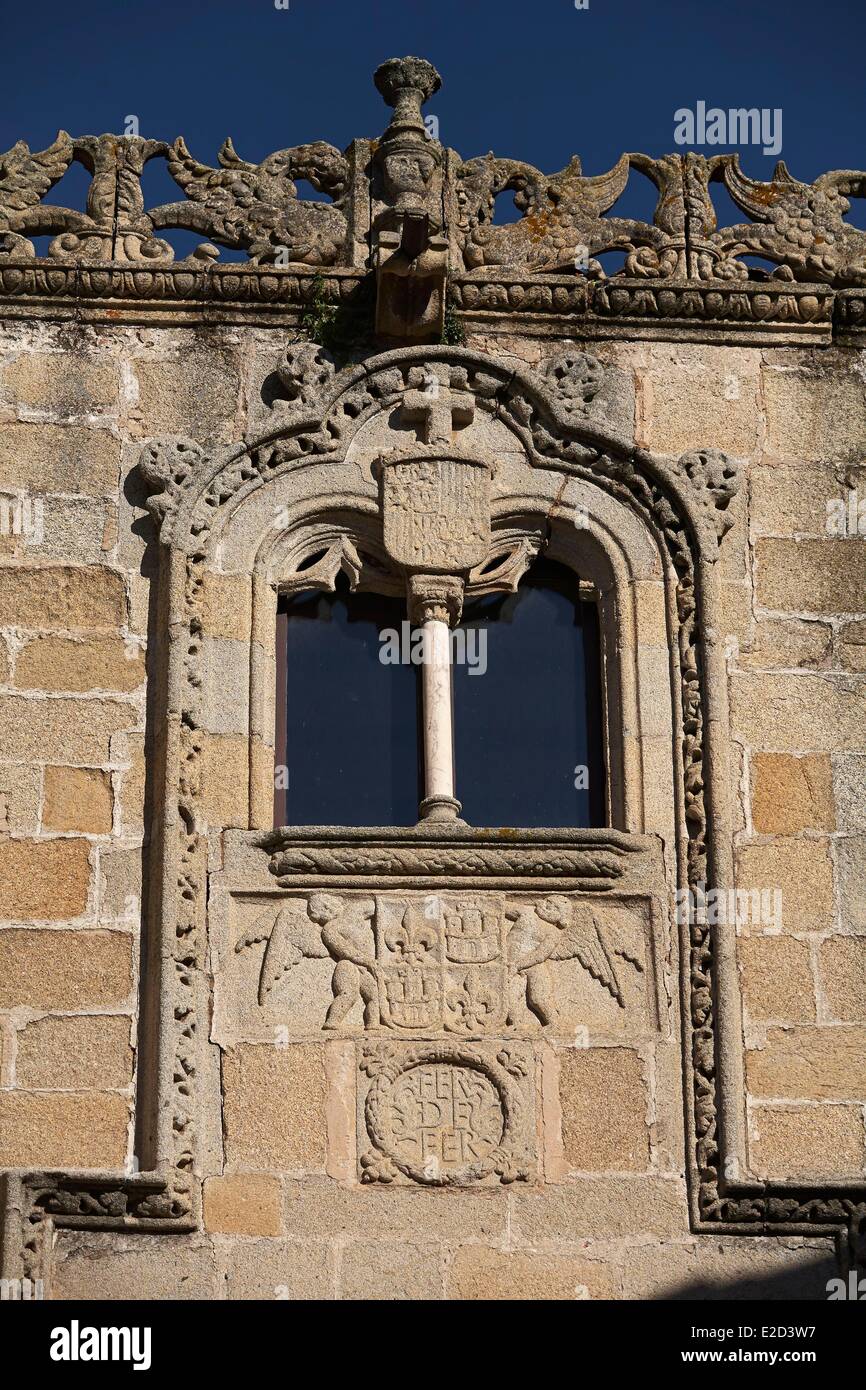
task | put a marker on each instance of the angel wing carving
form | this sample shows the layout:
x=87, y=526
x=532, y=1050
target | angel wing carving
x=582, y=941
x=555, y=930
x=256, y=206
x=291, y=937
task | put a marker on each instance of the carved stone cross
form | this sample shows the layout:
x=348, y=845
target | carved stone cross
x=437, y=410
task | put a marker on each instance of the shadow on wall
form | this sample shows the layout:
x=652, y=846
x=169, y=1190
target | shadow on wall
x=801, y=1281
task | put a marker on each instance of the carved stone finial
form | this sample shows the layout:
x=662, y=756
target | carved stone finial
x=305, y=371
x=405, y=84
x=165, y=465
x=410, y=251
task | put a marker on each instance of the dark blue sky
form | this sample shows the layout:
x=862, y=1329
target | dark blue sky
x=532, y=79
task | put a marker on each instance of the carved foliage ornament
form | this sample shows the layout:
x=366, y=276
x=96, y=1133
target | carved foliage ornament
x=575, y=378
x=563, y=226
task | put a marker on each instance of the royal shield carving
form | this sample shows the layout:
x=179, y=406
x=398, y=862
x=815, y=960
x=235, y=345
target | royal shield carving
x=435, y=512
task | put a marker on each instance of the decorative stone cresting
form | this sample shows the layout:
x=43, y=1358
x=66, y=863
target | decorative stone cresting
x=415, y=213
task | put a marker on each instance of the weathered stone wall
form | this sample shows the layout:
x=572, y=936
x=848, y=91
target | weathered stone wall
x=283, y=1213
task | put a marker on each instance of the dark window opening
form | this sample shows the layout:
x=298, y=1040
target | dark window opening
x=528, y=708
x=528, y=731
x=348, y=725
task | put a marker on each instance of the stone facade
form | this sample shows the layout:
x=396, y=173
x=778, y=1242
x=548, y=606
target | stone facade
x=440, y=1062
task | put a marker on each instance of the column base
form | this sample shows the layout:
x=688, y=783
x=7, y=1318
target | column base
x=439, y=808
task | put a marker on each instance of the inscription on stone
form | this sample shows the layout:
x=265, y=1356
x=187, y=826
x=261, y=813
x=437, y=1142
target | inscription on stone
x=446, y=1114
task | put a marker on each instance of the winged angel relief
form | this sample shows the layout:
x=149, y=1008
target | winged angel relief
x=463, y=964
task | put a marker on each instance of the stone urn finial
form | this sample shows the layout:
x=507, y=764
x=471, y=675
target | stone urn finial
x=405, y=84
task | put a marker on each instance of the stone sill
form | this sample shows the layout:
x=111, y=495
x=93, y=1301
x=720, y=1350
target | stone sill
x=743, y=312
x=591, y=860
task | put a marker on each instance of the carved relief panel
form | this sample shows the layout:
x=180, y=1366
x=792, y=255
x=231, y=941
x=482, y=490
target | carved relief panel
x=447, y=963
x=446, y=1115
x=433, y=964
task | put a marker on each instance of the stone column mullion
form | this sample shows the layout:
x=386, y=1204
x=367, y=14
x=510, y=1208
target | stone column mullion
x=434, y=605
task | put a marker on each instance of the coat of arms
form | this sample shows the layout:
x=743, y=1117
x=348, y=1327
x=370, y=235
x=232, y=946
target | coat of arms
x=467, y=964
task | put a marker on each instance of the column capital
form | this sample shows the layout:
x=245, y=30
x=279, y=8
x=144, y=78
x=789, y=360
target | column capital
x=434, y=596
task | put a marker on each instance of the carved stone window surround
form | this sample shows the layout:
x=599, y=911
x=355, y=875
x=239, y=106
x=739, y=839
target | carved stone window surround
x=683, y=510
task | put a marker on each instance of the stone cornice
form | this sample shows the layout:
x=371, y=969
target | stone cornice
x=749, y=312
